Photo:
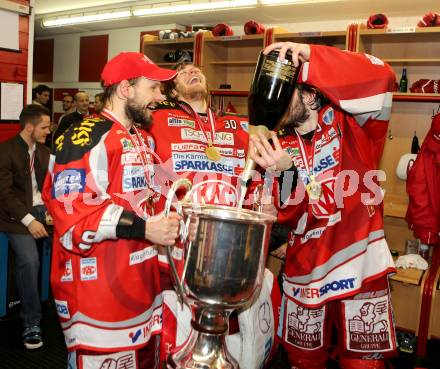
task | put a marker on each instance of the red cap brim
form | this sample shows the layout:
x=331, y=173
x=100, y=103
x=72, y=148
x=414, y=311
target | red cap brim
x=161, y=74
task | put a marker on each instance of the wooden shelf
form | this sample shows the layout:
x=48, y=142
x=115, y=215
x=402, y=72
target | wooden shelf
x=179, y=41
x=411, y=61
x=235, y=38
x=165, y=64
x=415, y=97
x=398, y=31
x=397, y=96
x=410, y=276
x=234, y=62
x=226, y=92
x=280, y=36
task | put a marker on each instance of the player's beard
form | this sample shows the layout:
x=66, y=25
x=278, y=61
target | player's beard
x=296, y=115
x=192, y=92
x=137, y=113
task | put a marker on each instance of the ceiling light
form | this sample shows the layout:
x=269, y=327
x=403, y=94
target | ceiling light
x=85, y=18
x=189, y=6
x=285, y=2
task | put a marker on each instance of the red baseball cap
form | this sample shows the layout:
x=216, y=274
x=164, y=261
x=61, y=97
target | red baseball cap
x=125, y=66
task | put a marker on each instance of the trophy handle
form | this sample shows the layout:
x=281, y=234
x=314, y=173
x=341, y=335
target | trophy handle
x=184, y=228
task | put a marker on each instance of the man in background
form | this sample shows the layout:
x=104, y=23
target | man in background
x=99, y=103
x=68, y=106
x=41, y=95
x=23, y=166
x=82, y=109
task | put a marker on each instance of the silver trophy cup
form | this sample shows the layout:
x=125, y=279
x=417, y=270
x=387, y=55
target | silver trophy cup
x=222, y=271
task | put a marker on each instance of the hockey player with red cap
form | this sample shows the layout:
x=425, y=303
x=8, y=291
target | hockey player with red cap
x=105, y=278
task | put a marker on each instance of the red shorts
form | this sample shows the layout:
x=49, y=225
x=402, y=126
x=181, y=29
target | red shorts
x=364, y=324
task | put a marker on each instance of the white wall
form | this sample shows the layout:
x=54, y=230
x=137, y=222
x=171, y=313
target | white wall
x=66, y=53
x=66, y=47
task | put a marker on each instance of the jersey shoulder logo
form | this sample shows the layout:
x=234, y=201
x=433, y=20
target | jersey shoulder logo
x=80, y=138
x=166, y=104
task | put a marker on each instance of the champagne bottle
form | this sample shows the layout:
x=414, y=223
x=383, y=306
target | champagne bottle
x=403, y=84
x=271, y=89
x=269, y=97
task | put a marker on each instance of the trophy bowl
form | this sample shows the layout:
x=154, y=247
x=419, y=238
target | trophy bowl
x=223, y=270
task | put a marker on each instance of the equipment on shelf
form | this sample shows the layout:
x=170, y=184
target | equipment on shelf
x=430, y=19
x=253, y=28
x=425, y=86
x=178, y=56
x=407, y=160
x=415, y=261
x=168, y=34
x=222, y=29
x=377, y=21
x=403, y=83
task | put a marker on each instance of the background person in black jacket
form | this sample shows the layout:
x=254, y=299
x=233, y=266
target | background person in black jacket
x=82, y=109
x=23, y=166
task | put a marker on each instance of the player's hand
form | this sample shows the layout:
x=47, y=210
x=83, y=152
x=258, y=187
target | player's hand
x=163, y=230
x=266, y=156
x=300, y=52
x=280, y=252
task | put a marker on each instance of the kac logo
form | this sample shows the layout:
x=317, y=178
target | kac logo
x=134, y=336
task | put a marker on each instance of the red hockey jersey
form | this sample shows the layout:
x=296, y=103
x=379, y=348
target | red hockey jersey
x=337, y=242
x=180, y=146
x=106, y=289
x=423, y=183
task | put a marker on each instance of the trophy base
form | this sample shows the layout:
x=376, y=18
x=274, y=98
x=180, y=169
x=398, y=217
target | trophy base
x=203, y=351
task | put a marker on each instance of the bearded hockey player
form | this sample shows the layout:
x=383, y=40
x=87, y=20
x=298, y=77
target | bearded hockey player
x=338, y=262
x=105, y=276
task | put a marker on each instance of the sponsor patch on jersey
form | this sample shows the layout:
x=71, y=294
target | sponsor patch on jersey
x=188, y=146
x=220, y=138
x=151, y=143
x=68, y=272
x=202, y=166
x=292, y=151
x=325, y=139
x=89, y=269
x=133, y=178
x=178, y=122
x=368, y=325
x=304, y=327
x=142, y=255
x=119, y=360
x=130, y=158
x=215, y=192
x=62, y=309
x=127, y=144
x=328, y=116
x=68, y=181
x=245, y=126
x=200, y=148
x=316, y=291
x=197, y=161
x=374, y=60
